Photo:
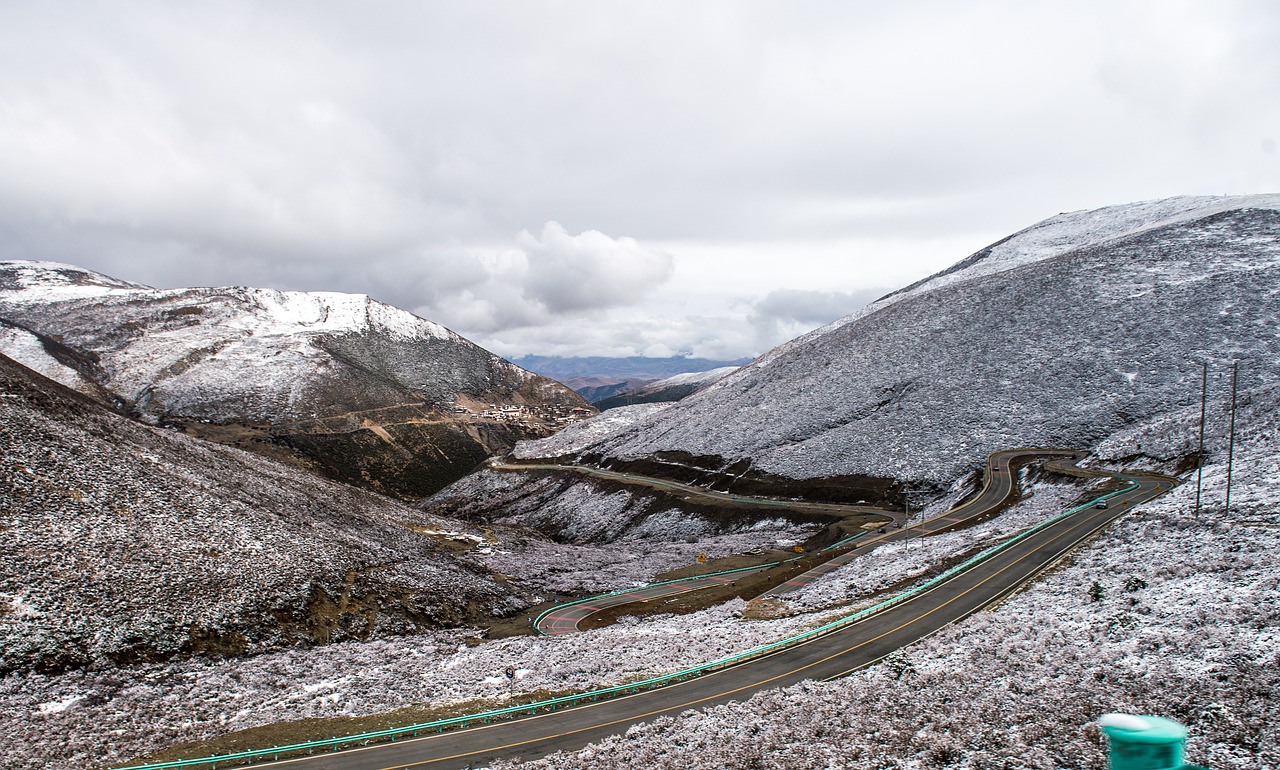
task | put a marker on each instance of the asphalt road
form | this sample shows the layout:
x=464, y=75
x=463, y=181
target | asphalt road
x=565, y=618
x=691, y=491
x=827, y=657
x=997, y=486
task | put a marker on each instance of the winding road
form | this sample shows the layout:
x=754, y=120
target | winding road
x=825, y=657
x=998, y=485
x=565, y=618
x=694, y=492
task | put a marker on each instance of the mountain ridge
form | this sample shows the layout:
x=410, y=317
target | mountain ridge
x=623, y=367
x=673, y=388
x=342, y=384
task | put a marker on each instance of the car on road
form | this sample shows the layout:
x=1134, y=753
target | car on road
x=1100, y=504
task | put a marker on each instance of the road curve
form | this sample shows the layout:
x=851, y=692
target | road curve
x=564, y=618
x=689, y=490
x=997, y=486
x=825, y=657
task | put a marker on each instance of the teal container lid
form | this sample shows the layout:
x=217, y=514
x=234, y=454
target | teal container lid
x=1127, y=728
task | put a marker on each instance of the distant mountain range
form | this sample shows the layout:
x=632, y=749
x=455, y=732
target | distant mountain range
x=601, y=378
x=596, y=389
x=629, y=367
x=671, y=388
x=360, y=391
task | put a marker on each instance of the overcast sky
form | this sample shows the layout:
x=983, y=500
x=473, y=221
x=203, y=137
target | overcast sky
x=607, y=178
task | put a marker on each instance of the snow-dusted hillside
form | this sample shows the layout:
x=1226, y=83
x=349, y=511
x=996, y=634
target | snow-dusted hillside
x=329, y=376
x=122, y=542
x=43, y=355
x=672, y=388
x=589, y=511
x=1184, y=622
x=586, y=432
x=1060, y=335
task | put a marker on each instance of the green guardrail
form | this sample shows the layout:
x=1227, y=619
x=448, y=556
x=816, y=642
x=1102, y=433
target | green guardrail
x=597, y=597
x=440, y=725
x=846, y=541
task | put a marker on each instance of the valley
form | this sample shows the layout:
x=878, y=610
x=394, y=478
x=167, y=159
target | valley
x=887, y=574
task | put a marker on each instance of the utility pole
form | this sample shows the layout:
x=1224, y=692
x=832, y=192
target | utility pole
x=1204, y=397
x=906, y=522
x=919, y=510
x=906, y=516
x=1231, y=442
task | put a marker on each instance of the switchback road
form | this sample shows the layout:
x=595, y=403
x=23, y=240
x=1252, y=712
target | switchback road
x=997, y=487
x=825, y=657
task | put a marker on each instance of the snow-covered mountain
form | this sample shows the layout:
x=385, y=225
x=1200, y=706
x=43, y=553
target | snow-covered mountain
x=1084, y=327
x=1060, y=335
x=1088, y=329
x=123, y=542
x=364, y=391
x=671, y=388
x=598, y=378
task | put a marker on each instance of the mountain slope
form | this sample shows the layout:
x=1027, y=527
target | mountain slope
x=1060, y=335
x=596, y=388
x=362, y=391
x=124, y=542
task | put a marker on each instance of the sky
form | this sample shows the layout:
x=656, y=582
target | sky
x=609, y=178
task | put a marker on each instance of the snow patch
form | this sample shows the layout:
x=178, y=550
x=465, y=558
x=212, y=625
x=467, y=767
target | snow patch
x=691, y=378
x=58, y=706
x=19, y=607
x=25, y=348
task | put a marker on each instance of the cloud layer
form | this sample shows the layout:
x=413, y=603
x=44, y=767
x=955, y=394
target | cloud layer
x=549, y=276
x=702, y=159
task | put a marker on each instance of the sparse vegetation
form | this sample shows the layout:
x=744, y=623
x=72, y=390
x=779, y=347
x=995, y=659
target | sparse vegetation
x=124, y=544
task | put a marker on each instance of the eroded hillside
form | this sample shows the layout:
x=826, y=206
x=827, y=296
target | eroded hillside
x=122, y=542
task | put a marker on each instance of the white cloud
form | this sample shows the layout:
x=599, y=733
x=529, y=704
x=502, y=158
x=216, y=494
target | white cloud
x=590, y=271
x=787, y=313
x=394, y=150
x=546, y=279
x=728, y=331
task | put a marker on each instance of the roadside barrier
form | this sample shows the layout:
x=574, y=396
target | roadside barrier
x=568, y=701
x=842, y=543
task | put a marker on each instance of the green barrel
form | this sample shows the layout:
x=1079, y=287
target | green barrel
x=1144, y=743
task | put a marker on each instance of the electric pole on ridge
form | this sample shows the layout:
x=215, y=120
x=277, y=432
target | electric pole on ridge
x=1204, y=397
x=1231, y=440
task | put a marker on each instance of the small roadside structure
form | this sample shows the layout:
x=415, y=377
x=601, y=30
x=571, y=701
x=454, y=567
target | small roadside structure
x=1144, y=742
